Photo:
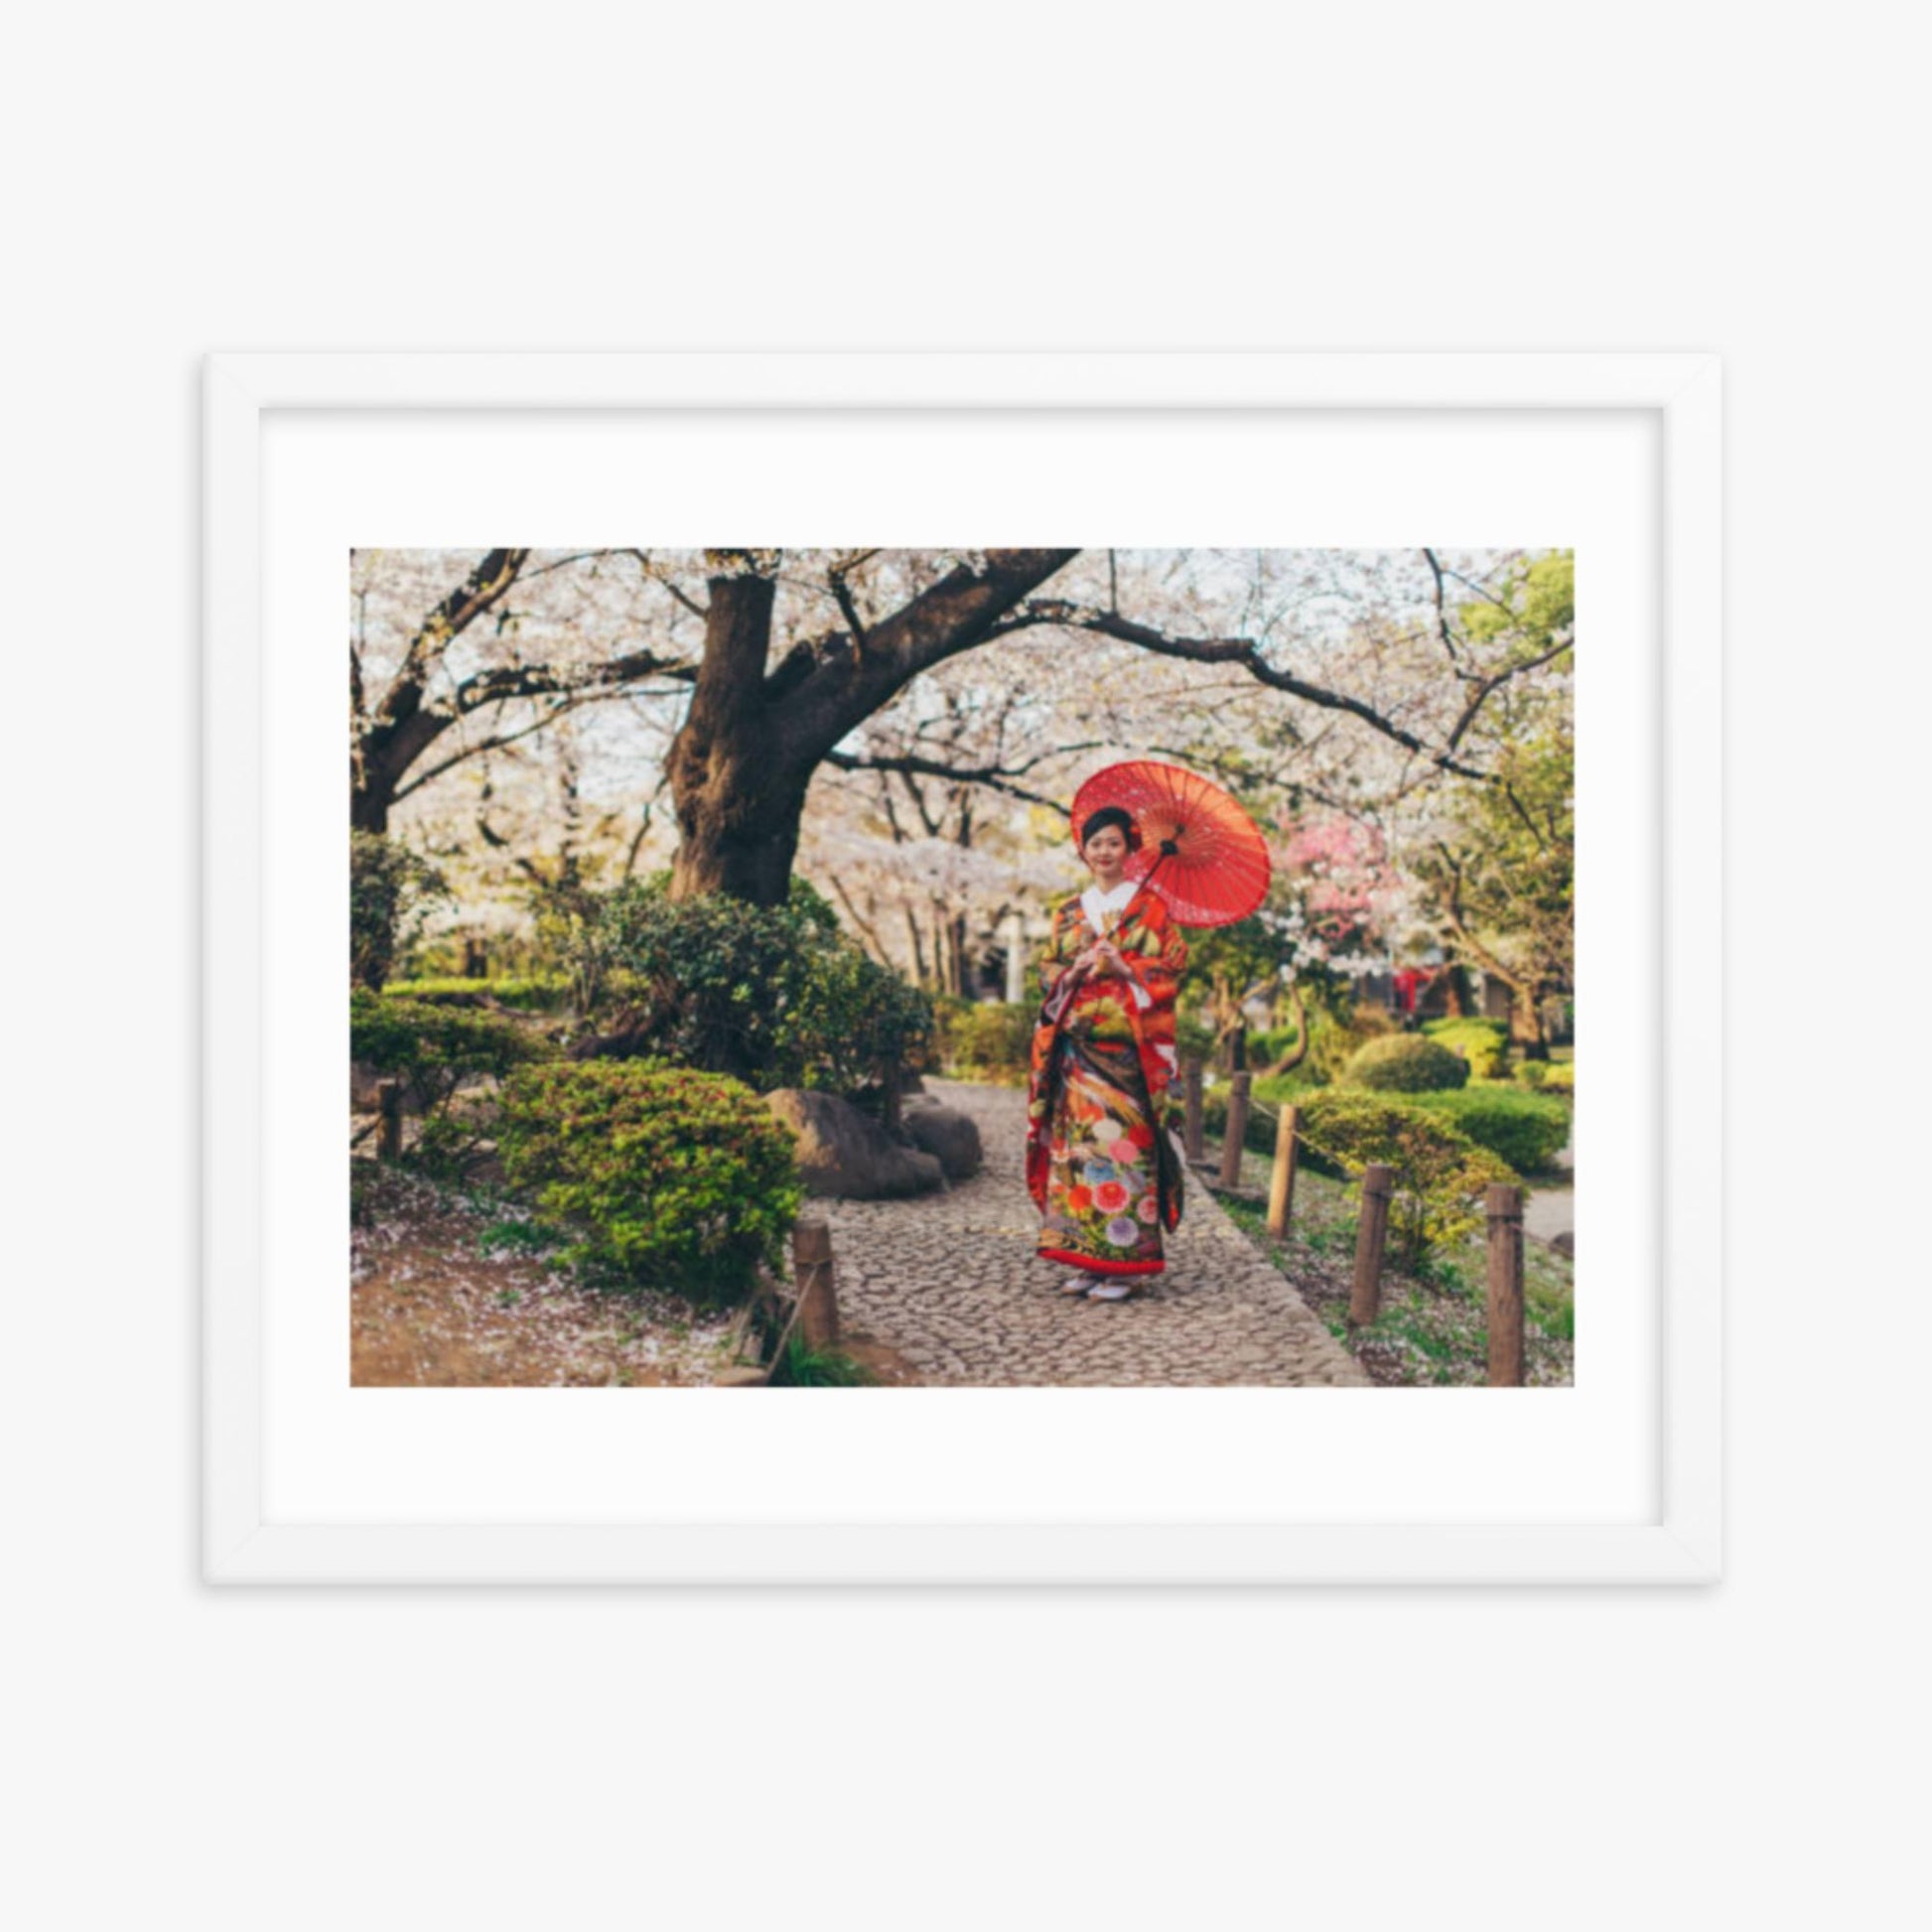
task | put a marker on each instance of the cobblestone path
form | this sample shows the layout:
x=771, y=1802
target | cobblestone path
x=951, y=1281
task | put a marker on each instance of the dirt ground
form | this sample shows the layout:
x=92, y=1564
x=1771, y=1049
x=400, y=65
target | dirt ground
x=434, y=1305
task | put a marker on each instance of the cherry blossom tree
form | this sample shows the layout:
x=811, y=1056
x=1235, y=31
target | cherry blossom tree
x=444, y=666
x=912, y=723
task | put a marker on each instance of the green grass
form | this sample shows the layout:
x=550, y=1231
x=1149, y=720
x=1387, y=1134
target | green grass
x=1431, y=1331
x=800, y=1367
x=515, y=1237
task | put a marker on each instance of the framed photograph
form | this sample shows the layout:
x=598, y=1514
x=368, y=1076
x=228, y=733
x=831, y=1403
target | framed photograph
x=1024, y=1030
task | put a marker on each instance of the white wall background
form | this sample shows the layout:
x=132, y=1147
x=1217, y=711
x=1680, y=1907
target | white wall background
x=1497, y=177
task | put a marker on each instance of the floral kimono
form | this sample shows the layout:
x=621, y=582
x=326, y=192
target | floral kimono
x=1104, y=1079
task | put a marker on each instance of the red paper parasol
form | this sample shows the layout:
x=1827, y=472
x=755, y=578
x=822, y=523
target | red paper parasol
x=1210, y=858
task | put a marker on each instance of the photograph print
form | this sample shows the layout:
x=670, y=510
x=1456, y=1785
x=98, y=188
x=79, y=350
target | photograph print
x=962, y=968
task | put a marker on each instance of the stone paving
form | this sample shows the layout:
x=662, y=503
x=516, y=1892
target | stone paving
x=952, y=1283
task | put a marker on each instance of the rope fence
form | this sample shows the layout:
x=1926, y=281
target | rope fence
x=1503, y=1209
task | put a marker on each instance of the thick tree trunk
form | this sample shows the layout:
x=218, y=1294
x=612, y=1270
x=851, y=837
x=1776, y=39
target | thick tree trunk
x=738, y=792
x=369, y=810
x=747, y=849
x=743, y=763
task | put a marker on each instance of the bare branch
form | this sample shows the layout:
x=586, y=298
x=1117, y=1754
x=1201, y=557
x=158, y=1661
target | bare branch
x=1442, y=611
x=842, y=590
x=1235, y=650
x=994, y=777
x=657, y=577
x=485, y=587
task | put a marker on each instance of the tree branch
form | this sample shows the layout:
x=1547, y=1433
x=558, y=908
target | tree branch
x=1485, y=687
x=485, y=587
x=952, y=615
x=842, y=591
x=1442, y=611
x=993, y=777
x=657, y=576
x=503, y=682
x=1236, y=651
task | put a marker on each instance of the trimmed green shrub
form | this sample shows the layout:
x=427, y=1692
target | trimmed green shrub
x=1441, y=1175
x=1485, y=1043
x=987, y=1036
x=852, y=1015
x=436, y=1048
x=1268, y=1043
x=433, y=1049
x=1333, y=1043
x=776, y=996
x=1271, y=1091
x=391, y=888
x=1543, y=1076
x=1528, y=1129
x=1405, y=1064
x=656, y=1174
x=526, y=992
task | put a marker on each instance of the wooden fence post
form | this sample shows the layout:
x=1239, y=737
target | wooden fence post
x=1372, y=1234
x=1190, y=1074
x=818, y=1305
x=1237, y=1128
x=388, y=1098
x=1281, y=1184
x=1505, y=1286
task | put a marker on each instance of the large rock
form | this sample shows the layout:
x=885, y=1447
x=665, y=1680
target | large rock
x=944, y=1132
x=846, y=1153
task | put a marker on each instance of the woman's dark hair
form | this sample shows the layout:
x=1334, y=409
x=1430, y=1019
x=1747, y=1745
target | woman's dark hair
x=1111, y=815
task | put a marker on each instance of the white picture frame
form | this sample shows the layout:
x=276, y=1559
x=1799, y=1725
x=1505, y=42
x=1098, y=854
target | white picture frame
x=245, y=1542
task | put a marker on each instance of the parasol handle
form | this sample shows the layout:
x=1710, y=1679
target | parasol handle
x=1168, y=850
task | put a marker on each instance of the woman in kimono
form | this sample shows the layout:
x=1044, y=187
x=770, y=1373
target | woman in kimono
x=1100, y=1164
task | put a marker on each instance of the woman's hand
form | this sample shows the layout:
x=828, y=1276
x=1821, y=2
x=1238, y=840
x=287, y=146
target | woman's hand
x=1107, y=957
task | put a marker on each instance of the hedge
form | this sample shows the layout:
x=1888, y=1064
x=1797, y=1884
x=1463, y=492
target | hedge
x=436, y=1048
x=1405, y=1064
x=1548, y=1076
x=1528, y=1129
x=659, y=1176
x=526, y=992
x=774, y=993
x=1333, y=1043
x=1271, y=1091
x=1485, y=1043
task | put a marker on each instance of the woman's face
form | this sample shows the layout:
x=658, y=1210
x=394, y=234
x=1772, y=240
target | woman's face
x=1106, y=853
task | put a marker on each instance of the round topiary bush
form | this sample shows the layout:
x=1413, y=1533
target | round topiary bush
x=1441, y=1175
x=660, y=1176
x=775, y=995
x=1485, y=1043
x=1405, y=1064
